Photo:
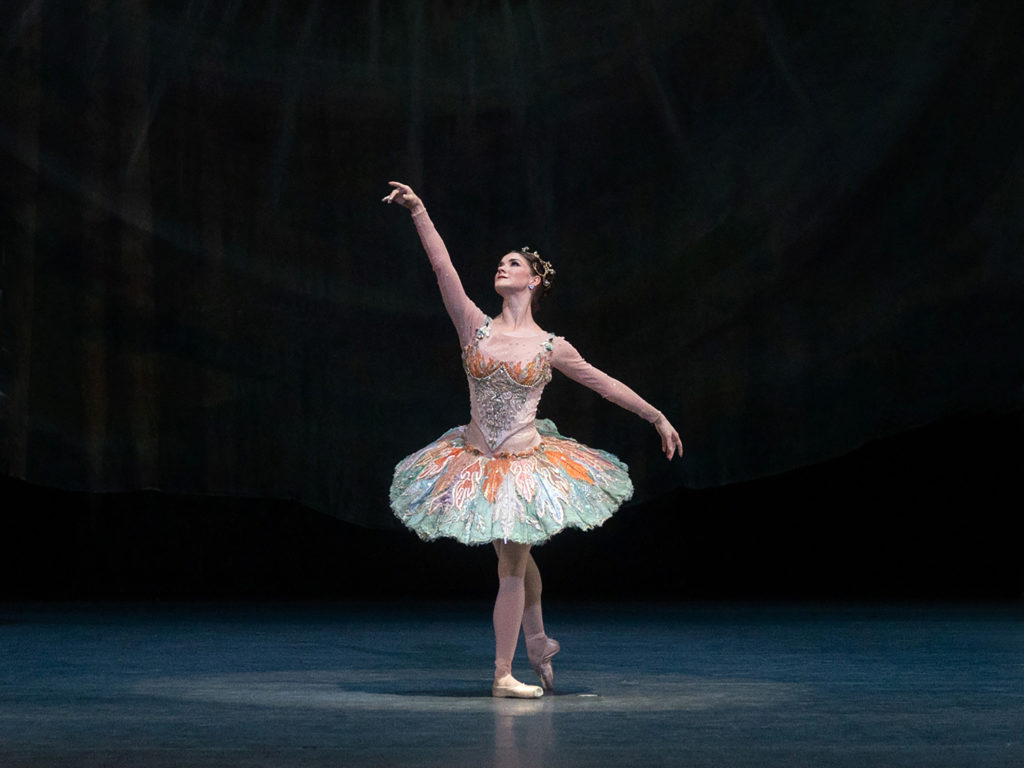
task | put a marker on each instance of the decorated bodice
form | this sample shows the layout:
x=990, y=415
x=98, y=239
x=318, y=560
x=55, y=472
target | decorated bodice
x=505, y=385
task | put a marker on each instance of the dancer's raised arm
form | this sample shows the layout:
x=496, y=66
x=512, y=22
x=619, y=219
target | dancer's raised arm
x=465, y=315
x=569, y=361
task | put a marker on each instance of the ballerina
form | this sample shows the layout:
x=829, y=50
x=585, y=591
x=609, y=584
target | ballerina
x=508, y=478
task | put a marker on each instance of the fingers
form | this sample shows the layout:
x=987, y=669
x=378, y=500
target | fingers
x=399, y=192
x=671, y=444
x=678, y=446
x=390, y=196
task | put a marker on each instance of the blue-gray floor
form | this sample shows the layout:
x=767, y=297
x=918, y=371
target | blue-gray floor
x=408, y=685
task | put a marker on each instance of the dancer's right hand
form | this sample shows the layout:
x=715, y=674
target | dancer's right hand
x=403, y=195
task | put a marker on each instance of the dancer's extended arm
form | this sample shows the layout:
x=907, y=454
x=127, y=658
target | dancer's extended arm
x=465, y=315
x=568, y=360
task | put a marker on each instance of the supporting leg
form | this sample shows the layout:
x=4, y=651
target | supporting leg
x=508, y=615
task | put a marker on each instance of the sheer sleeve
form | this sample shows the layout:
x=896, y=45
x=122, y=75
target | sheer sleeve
x=465, y=315
x=566, y=359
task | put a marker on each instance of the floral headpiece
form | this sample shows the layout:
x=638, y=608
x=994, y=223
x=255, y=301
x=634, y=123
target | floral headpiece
x=541, y=267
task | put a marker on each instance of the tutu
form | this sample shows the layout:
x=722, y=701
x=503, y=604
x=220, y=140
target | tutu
x=449, y=489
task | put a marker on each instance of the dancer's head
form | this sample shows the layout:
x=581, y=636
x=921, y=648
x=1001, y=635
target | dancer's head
x=524, y=269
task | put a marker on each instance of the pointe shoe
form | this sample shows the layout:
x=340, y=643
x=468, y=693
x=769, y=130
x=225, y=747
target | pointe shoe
x=543, y=667
x=510, y=688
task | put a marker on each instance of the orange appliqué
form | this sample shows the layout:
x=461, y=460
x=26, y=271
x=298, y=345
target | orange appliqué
x=434, y=463
x=496, y=471
x=570, y=466
x=528, y=373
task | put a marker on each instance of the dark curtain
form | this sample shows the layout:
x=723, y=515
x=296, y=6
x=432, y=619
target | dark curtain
x=792, y=226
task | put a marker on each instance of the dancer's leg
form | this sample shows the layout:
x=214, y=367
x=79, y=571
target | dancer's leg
x=508, y=616
x=508, y=613
x=532, y=582
x=539, y=647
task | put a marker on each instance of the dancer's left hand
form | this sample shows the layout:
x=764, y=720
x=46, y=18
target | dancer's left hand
x=671, y=443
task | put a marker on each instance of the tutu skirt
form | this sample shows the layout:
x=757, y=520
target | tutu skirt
x=449, y=489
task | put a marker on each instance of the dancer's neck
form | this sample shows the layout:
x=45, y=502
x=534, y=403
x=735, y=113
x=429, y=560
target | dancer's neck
x=517, y=314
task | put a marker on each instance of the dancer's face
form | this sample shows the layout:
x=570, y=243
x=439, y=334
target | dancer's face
x=514, y=274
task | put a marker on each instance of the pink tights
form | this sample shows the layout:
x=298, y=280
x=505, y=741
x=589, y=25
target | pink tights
x=518, y=604
x=508, y=614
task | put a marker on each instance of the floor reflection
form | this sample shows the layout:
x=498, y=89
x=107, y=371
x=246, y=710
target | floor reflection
x=523, y=733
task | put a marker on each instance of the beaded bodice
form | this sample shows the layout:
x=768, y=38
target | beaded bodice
x=504, y=394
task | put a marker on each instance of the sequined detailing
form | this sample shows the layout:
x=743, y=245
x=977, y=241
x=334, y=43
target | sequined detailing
x=498, y=399
x=527, y=373
x=500, y=389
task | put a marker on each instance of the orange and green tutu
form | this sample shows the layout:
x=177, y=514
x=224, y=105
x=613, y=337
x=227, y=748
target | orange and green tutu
x=449, y=489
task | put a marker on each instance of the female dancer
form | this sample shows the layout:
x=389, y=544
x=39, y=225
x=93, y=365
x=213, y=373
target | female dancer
x=507, y=478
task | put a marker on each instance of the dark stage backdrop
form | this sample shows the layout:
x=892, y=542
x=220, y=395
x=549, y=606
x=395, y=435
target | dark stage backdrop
x=792, y=226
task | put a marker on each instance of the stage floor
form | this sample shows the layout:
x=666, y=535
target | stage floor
x=408, y=685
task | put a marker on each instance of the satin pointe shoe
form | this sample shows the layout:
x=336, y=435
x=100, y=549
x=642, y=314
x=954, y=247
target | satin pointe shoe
x=543, y=667
x=510, y=688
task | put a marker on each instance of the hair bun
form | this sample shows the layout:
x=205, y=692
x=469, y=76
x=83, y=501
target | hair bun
x=542, y=268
